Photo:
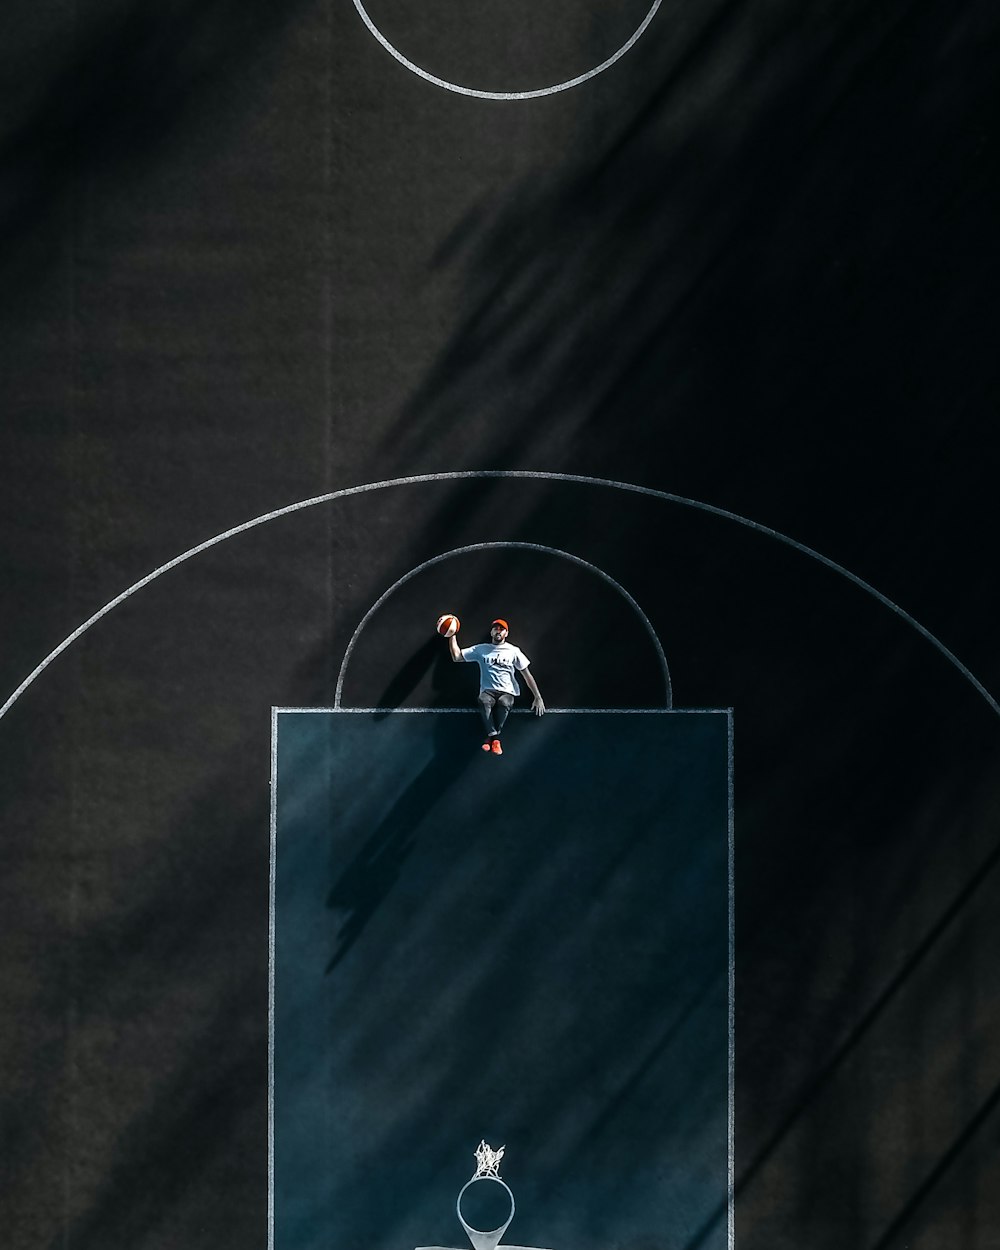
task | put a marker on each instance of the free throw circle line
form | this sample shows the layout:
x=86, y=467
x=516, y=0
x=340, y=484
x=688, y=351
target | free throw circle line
x=540, y=475
x=505, y=95
x=492, y=546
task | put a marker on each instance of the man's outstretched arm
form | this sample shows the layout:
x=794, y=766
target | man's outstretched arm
x=455, y=649
x=537, y=706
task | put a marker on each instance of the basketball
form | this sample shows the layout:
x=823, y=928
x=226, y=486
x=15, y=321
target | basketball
x=448, y=625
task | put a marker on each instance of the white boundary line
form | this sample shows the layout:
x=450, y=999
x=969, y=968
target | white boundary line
x=493, y=546
x=505, y=95
x=270, y=977
x=457, y=475
x=731, y=996
x=731, y=920
x=516, y=711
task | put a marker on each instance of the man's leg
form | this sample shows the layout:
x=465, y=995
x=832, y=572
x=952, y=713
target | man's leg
x=486, y=700
x=504, y=702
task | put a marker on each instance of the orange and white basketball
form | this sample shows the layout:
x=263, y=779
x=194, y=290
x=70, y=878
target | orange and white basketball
x=448, y=625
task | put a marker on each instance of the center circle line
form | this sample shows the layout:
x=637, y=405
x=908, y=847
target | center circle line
x=505, y=95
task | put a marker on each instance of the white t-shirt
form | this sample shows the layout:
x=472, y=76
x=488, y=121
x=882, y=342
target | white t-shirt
x=497, y=662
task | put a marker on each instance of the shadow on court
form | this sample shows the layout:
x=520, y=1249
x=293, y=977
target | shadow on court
x=107, y=99
x=367, y=881
x=424, y=659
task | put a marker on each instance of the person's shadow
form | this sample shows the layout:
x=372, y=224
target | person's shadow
x=452, y=685
x=367, y=880
x=430, y=655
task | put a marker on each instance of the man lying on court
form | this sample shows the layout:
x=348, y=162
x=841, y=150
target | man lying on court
x=499, y=662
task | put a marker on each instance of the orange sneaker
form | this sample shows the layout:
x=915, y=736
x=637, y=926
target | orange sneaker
x=496, y=748
x=487, y=747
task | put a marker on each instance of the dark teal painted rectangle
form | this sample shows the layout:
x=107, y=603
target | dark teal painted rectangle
x=531, y=949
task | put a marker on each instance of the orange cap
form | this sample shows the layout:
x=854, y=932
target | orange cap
x=500, y=621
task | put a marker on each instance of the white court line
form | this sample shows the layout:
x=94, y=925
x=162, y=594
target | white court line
x=517, y=546
x=515, y=475
x=505, y=95
x=731, y=921
x=270, y=978
x=731, y=999
x=515, y=711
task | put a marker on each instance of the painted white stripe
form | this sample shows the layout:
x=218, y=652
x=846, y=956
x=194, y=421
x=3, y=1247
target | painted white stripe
x=517, y=711
x=515, y=475
x=270, y=979
x=492, y=546
x=505, y=95
x=731, y=998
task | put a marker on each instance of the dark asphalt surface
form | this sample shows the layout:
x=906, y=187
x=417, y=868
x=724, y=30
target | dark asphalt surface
x=247, y=258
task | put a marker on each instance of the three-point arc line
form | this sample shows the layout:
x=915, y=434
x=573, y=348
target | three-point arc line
x=510, y=474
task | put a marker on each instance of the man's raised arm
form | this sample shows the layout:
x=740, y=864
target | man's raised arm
x=455, y=649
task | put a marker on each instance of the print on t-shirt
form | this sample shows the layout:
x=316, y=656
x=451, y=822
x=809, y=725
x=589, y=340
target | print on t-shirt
x=497, y=663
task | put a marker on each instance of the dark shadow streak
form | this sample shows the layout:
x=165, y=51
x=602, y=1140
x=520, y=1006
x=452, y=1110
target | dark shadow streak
x=165, y=1147
x=702, y=47
x=944, y=1163
x=852, y=1040
x=366, y=882
x=130, y=82
x=629, y=1087
x=406, y=680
